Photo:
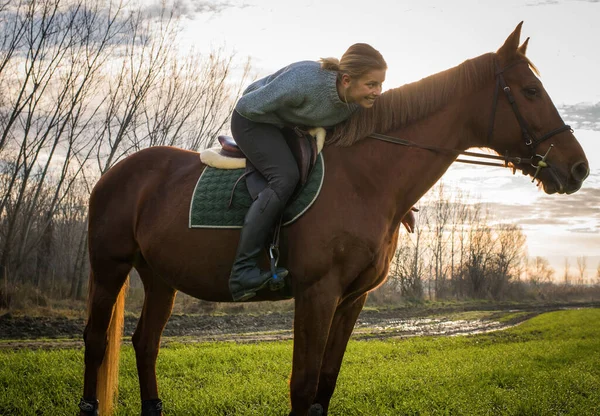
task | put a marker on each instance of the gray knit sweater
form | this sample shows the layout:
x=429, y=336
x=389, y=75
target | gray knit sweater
x=300, y=94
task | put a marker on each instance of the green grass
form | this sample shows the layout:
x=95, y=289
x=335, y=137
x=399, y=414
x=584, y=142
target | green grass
x=549, y=365
x=512, y=316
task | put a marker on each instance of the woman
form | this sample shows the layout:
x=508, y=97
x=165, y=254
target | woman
x=308, y=94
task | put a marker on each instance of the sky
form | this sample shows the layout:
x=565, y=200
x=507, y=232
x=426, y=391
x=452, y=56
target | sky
x=422, y=37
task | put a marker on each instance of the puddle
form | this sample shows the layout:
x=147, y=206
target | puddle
x=428, y=326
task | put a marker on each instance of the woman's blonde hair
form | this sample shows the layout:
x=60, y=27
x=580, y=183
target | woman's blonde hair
x=359, y=59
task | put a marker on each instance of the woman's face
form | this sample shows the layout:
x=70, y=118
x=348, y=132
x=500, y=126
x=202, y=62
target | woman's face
x=364, y=90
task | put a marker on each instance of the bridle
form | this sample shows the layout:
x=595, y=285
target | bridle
x=528, y=136
x=536, y=160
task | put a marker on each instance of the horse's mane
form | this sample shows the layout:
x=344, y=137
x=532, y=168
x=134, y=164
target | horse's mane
x=411, y=102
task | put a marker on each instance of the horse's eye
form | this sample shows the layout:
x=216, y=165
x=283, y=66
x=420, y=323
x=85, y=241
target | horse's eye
x=531, y=92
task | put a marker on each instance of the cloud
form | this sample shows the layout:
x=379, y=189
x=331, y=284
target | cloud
x=553, y=2
x=189, y=8
x=582, y=115
x=579, y=212
x=584, y=203
x=585, y=230
x=542, y=3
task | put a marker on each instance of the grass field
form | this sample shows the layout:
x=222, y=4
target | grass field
x=549, y=365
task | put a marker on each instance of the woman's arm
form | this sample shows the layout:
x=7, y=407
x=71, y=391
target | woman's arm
x=282, y=89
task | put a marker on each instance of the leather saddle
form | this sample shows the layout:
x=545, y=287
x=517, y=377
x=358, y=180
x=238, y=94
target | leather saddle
x=302, y=145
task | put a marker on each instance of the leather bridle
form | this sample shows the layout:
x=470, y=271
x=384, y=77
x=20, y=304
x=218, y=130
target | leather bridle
x=528, y=136
x=536, y=160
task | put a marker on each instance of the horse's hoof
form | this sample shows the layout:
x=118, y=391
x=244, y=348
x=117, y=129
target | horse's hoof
x=88, y=407
x=316, y=410
x=152, y=407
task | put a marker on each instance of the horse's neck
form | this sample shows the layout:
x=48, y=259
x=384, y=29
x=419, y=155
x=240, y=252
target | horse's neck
x=402, y=174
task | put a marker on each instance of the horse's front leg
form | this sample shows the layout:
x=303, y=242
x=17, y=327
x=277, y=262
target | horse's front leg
x=315, y=307
x=343, y=323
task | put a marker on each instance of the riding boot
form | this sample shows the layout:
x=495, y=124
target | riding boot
x=246, y=278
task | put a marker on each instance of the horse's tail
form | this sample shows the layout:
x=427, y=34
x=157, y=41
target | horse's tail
x=108, y=373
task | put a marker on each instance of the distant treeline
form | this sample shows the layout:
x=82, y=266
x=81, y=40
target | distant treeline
x=460, y=251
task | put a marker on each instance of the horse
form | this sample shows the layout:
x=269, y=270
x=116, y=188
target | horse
x=341, y=248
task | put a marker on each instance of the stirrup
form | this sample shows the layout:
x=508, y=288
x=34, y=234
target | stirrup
x=278, y=280
x=248, y=294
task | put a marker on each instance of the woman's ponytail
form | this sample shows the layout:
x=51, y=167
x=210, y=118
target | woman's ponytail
x=330, y=64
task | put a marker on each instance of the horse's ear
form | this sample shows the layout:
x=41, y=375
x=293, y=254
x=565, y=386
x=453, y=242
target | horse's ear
x=509, y=49
x=523, y=48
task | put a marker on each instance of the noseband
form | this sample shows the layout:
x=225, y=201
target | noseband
x=536, y=160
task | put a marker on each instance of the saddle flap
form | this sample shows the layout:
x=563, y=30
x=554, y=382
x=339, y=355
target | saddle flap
x=304, y=149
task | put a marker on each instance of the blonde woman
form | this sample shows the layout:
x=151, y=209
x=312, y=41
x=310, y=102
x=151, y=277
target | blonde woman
x=307, y=94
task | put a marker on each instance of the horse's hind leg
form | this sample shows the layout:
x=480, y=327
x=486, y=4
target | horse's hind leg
x=158, y=303
x=107, y=279
x=341, y=329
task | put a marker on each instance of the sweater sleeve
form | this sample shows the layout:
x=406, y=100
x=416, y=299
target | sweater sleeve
x=282, y=89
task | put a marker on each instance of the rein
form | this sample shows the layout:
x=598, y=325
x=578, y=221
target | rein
x=403, y=142
x=536, y=160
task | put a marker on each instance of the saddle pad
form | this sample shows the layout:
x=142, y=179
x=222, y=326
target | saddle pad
x=210, y=208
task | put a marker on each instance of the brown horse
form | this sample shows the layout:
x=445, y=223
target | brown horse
x=341, y=248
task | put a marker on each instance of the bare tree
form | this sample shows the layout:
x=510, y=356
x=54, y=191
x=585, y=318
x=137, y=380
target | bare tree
x=54, y=78
x=459, y=215
x=581, y=267
x=190, y=103
x=508, y=256
x=540, y=271
x=145, y=51
x=566, y=276
x=83, y=80
x=407, y=264
x=437, y=218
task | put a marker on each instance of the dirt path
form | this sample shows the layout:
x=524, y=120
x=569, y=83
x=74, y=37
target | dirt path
x=18, y=332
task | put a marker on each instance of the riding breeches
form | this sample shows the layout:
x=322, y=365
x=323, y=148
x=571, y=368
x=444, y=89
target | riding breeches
x=266, y=148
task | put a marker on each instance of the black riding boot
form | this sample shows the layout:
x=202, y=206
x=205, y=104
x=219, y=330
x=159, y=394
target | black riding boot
x=246, y=278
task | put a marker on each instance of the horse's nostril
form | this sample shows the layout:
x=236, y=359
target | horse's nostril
x=580, y=171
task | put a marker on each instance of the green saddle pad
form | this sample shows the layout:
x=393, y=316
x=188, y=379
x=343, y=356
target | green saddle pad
x=210, y=202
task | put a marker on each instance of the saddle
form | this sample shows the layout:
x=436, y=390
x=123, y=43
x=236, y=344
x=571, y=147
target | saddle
x=303, y=145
